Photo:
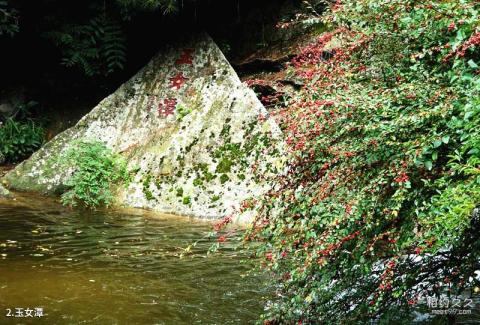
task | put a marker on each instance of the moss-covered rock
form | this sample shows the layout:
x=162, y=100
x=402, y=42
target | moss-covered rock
x=184, y=121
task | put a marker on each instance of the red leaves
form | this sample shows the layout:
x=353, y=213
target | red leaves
x=186, y=57
x=452, y=27
x=314, y=53
x=178, y=80
x=387, y=276
x=247, y=204
x=283, y=25
x=402, y=178
x=474, y=40
x=348, y=209
x=331, y=247
x=373, y=143
x=337, y=5
x=222, y=223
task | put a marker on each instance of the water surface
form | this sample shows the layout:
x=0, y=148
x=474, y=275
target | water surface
x=119, y=267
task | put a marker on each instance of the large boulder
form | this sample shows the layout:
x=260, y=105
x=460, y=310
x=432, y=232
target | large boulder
x=185, y=123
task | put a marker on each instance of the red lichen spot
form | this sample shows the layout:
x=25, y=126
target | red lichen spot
x=178, y=81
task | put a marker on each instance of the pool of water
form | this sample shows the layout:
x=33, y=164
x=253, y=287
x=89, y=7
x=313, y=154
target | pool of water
x=119, y=267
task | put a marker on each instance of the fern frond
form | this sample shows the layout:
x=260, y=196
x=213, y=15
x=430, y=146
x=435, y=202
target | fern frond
x=8, y=19
x=96, y=48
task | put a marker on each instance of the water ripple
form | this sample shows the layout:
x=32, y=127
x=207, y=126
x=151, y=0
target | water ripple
x=117, y=268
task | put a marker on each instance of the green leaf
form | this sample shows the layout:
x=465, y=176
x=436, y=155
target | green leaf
x=428, y=165
x=468, y=115
x=472, y=64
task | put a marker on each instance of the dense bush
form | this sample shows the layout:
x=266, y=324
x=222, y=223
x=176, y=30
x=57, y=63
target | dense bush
x=95, y=171
x=8, y=19
x=19, y=139
x=375, y=212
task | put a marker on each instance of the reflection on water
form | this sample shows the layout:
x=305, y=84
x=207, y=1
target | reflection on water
x=118, y=268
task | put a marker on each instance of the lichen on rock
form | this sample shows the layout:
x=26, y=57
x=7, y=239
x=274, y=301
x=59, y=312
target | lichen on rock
x=188, y=128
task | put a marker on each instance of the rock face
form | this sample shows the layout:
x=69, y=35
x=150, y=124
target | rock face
x=187, y=126
x=4, y=192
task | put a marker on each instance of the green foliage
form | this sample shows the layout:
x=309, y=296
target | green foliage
x=19, y=139
x=167, y=6
x=183, y=111
x=376, y=208
x=146, y=187
x=97, y=48
x=186, y=200
x=225, y=47
x=97, y=44
x=224, y=166
x=8, y=19
x=224, y=178
x=96, y=171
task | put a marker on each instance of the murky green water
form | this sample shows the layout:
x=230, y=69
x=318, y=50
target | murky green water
x=119, y=268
